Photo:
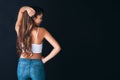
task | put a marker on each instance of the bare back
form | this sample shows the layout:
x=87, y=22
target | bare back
x=37, y=38
x=37, y=35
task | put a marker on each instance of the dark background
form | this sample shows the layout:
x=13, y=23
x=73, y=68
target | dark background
x=87, y=30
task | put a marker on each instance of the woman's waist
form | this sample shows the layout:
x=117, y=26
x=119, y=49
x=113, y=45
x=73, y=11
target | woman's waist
x=32, y=56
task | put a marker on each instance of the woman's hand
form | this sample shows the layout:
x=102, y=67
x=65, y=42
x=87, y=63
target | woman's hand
x=30, y=11
x=27, y=55
x=24, y=54
x=43, y=60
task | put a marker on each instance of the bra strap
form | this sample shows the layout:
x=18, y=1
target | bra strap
x=37, y=32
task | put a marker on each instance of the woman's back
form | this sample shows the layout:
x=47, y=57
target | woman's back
x=37, y=39
x=37, y=35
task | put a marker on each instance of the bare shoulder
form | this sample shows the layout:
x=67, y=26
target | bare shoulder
x=43, y=29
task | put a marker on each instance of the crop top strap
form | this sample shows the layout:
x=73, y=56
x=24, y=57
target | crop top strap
x=37, y=31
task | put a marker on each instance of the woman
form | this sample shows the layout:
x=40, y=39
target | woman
x=29, y=44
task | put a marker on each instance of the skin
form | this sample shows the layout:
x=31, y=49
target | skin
x=43, y=34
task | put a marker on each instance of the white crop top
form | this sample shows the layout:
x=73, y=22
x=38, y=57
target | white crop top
x=36, y=48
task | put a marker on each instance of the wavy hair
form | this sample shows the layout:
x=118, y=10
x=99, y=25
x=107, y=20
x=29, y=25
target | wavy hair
x=24, y=39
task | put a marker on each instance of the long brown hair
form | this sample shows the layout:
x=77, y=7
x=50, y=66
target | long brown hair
x=24, y=37
x=25, y=29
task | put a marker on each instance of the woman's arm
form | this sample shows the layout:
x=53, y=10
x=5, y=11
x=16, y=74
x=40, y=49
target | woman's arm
x=30, y=11
x=20, y=15
x=54, y=43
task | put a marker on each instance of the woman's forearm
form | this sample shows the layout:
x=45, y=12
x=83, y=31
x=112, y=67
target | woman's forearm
x=23, y=9
x=20, y=15
x=53, y=53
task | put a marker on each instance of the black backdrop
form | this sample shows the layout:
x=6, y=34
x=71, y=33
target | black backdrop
x=86, y=30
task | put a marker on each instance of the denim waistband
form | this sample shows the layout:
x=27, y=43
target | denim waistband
x=27, y=59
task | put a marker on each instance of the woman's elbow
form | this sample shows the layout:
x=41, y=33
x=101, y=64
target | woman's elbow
x=58, y=48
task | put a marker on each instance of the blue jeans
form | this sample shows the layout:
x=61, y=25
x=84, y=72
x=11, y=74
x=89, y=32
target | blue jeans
x=32, y=69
